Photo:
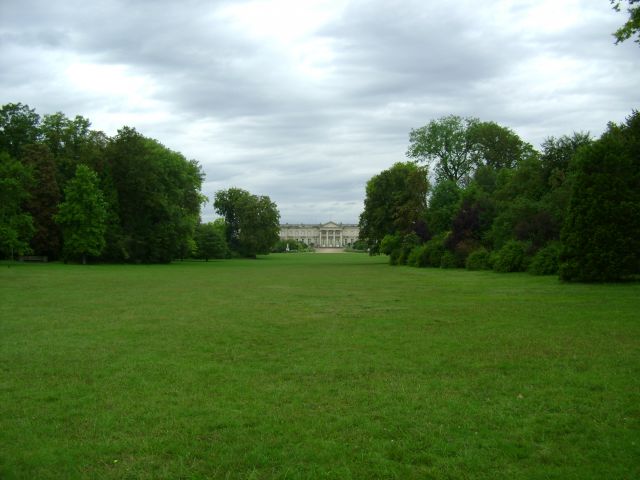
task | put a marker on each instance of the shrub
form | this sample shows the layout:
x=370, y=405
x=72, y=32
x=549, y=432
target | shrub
x=434, y=249
x=448, y=260
x=409, y=242
x=394, y=257
x=418, y=256
x=390, y=243
x=463, y=249
x=511, y=257
x=545, y=262
x=478, y=260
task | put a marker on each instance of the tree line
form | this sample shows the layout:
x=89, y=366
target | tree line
x=70, y=192
x=494, y=202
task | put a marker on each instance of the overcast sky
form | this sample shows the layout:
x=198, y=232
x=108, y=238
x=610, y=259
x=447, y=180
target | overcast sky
x=305, y=100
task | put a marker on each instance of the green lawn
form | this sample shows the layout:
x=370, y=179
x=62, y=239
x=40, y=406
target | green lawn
x=315, y=366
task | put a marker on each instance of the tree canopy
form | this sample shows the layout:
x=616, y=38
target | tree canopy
x=82, y=215
x=395, y=203
x=151, y=193
x=458, y=146
x=252, y=221
x=571, y=208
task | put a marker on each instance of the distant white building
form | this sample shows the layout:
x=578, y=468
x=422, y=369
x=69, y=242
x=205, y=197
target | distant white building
x=327, y=235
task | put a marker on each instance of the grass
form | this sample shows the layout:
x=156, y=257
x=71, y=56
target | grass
x=315, y=366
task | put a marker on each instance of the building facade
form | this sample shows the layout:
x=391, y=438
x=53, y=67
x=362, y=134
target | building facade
x=327, y=235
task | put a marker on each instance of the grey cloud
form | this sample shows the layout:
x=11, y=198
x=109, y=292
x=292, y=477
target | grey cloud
x=312, y=143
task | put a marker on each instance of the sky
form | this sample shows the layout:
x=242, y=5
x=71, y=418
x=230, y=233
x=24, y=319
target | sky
x=305, y=100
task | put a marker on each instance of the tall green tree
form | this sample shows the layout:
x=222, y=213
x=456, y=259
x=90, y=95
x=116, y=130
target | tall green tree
x=16, y=225
x=82, y=215
x=496, y=146
x=210, y=242
x=447, y=143
x=158, y=197
x=601, y=234
x=72, y=142
x=253, y=221
x=395, y=203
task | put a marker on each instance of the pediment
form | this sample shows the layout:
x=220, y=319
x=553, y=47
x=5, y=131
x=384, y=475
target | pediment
x=330, y=225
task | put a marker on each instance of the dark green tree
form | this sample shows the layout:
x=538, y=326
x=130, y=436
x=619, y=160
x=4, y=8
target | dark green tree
x=471, y=222
x=601, y=233
x=72, y=142
x=157, y=197
x=16, y=225
x=395, y=203
x=210, y=242
x=252, y=221
x=443, y=205
x=82, y=215
x=43, y=200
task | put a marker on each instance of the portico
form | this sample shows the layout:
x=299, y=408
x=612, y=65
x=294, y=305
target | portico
x=327, y=235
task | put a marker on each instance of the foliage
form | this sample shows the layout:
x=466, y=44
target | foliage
x=44, y=197
x=394, y=204
x=546, y=260
x=434, y=250
x=512, y=257
x=417, y=257
x=497, y=147
x=16, y=225
x=152, y=194
x=399, y=247
x=601, y=234
x=210, y=242
x=478, y=260
x=449, y=260
x=18, y=127
x=82, y=215
x=473, y=219
x=443, y=205
x=390, y=244
x=290, y=245
x=631, y=26
x=458, y=146
x=252, y=221
x=446, y=143
x=157, y=196
x=360, y=245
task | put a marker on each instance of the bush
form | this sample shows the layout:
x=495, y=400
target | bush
x=360, y=245
x=390, y=243
x=545, y=262
x=511, y=257
x=448, y=260
x=463, y=249
x=478, y=260
x=418, y=256
x=434, y=249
